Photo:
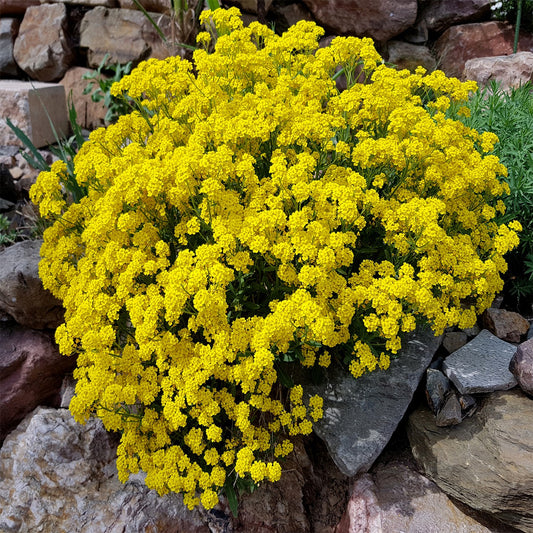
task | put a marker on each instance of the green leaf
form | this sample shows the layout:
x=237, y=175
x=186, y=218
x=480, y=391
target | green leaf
x=213, y=4
x=232, y=498
x=39, y=161
x=151, y=20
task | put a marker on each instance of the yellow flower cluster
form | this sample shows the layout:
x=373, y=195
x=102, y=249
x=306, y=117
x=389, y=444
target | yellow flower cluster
x=248, y=217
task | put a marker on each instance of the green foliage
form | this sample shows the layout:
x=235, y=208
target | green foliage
x=7, y=235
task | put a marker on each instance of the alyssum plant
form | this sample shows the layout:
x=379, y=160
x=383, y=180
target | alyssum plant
x=248, y=218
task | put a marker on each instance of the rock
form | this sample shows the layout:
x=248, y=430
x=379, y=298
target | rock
x=453, y=340
x=481, y=365
x=473, y=331
x=67, y=391
x=22, y=295
x=360, y=415
x=155, y=6
x=5, y=205
x=396, y=498
x=126, y=35
x=42, y=49
x=90, y=3
x=437, y=389
x=90, y=115
x=382, y=19
x=487, y=461
x=458, y=44
x=16, y=7
x=450, y=414
x=8, y=31
x=468, y=405
x=56, y=475
x=417, y=34
x=409, y=56
x=8, y=191
x=441, y=14
x=521, y=366
x=507, y=325
x=509, y=71
x=288, y=15
x=31, y=372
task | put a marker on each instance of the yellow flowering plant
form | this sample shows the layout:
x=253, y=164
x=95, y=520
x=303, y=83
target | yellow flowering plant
x=249, y=217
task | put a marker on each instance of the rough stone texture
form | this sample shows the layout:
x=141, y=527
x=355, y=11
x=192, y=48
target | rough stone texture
x=410, y=56
x=486, y=461
x=22, y=295
x=30, y=105
x=458, y=44
x=16, y=7
x=57, y=476
x=482, y=365
x=290, y=14
x=31, y=372
x=396, y=498
x=509, y=71
x=521, y=366
x=90, y=3
x=126, y=35
x=450, y=414
x=41, y=48
x=250, y=5
x=90, y=115
x=441, y=14
x=381, y=20
x=155, y=6
x=8, y=31
x=437, y=388
x=354, y=433
x=453, y=340
x=506, y=325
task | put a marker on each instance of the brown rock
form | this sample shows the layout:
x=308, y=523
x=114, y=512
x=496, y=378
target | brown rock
x=8, y=31
x=509, y=71
x=458, y=44
x=406, y=55
x=90, y=115
x=450, y=414
x=250, y=5
x=42, y=49
x=288, y=15
x=453, y=340
x=507, y=325
x=16, y=7
x=126, y=35
x=155, y=6
x=31, y=373
x=441, y=14
x=380, y=19
x=90, y=3
x=521, y=366
x=22, y=295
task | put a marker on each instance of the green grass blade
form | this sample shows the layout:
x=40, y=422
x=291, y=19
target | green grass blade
x=38, y=162
x=151, y=20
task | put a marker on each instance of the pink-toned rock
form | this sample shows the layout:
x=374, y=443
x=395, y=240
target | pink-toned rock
x=90, y=115
x=126, y=35
x=42, y=49
x=509, y=71
x=521, y=366
x=9, y=28
x=409, y=56
x=380, y=19
x=507, y=325
x=441, y=14
x=31, y=373
x=16, y=7
x=458, y=44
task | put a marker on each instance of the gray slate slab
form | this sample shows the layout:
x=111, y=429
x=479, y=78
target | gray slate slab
x=482, y=365
x=360, y=415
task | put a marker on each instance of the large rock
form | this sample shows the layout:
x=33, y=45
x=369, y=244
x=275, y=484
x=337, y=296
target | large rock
x=460, y=43
x=521, y=366
x=409, y=56
x=126, y=35
x=482, y=365
x=42, y=48
x=59, y=476
x=380, y=19
x=509, y=71
x=22, y=295
x=8, y=31
x=360, y=415
x=16, y=7
x=441, y=14
x=31, y=373
x=507, y=325
x=250, y=5
x=486, y=461
x=155, y=6
x=90, y=3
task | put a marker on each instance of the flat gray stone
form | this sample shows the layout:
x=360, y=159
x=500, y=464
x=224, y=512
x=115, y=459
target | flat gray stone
x=360, y=415
x=482, y=365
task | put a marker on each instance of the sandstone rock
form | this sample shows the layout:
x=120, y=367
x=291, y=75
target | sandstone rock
x=155, y=6
x=90, y=3
x=90, y=115
x=453, y=340
x=382, y=20
x=16, y=7
x=42, y=49
x=486, y=461
x=460, y=43
x=509, y=71
x=56, y=475
x=506, y=325
x=31, y=372
x=126, y=35
x=437, y=389
x=441, y=14
x=481, y=365
x=521, y=366
x=406, y=55
x=22, y=295
x=360, y=415
x=8, y=31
